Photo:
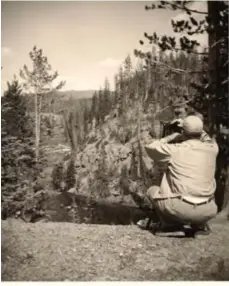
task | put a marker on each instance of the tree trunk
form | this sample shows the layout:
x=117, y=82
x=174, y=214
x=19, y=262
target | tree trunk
x=139, y=135
x=148, y=83
x=226, y=194
x=214, y=69
x=69, y=131
x=222, y=177
x=156, y=121
x=76, y=136
x=37, y=135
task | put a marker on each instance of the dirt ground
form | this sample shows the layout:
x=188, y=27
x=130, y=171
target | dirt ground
x=79, y=252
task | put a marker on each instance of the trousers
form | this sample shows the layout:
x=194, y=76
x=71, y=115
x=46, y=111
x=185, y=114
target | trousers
x=176, y=211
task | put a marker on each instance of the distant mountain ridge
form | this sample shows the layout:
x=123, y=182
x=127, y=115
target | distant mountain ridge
x=57, y=100
x=76, y=94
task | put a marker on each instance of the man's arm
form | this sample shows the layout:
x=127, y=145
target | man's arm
x=166, y=139
x=160, y=151
x=171, y=137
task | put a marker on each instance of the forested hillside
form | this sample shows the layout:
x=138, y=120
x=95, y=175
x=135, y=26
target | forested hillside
x=109, y=141
x=104, y=133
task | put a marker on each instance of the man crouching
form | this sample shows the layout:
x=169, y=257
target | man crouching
x=186, y=193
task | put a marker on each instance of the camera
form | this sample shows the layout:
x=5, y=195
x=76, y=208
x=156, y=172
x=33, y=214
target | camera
x=170, y=128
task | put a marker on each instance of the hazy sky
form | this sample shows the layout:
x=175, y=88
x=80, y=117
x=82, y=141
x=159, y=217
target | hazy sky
x=84, y=41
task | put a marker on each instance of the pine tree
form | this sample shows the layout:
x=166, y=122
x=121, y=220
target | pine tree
x=85, y=121
x=17, y=168
x=107, y=97
x=128, y=69
x=94, y=106
x=133, y=165
x=116, y=92
x=121, y=92
x=101, y=113
x=14, y=111
x=40, y=81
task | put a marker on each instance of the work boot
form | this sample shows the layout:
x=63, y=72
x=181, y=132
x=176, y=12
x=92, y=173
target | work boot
x=163, y=230
x=144, y=223
x=200, y=229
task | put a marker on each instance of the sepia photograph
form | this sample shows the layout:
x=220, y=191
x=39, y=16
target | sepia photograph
x=114, y=141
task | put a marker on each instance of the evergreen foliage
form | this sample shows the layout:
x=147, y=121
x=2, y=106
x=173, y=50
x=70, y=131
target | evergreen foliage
x=18, y=169
x=39, y=81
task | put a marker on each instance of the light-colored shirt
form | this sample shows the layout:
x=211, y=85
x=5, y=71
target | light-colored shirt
x=190, y=169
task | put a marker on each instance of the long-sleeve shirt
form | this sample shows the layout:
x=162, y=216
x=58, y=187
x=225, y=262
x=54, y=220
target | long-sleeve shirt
x=191, y=167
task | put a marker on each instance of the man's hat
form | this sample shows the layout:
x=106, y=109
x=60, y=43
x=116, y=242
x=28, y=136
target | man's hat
x=192, y=125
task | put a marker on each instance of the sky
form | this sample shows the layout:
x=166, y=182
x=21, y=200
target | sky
x=85, y=41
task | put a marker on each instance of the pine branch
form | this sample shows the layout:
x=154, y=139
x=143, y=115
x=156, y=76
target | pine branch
x=176, y=70
x=192, y=52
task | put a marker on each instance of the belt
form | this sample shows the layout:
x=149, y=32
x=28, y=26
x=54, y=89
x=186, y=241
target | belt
x=196, y=204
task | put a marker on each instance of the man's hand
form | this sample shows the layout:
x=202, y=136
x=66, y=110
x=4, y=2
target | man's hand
x=178, y=122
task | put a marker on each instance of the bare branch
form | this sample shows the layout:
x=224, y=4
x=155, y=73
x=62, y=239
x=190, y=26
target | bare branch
x=221, y=40
x=183, y=6
x=195, y=11
x=225, y=81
